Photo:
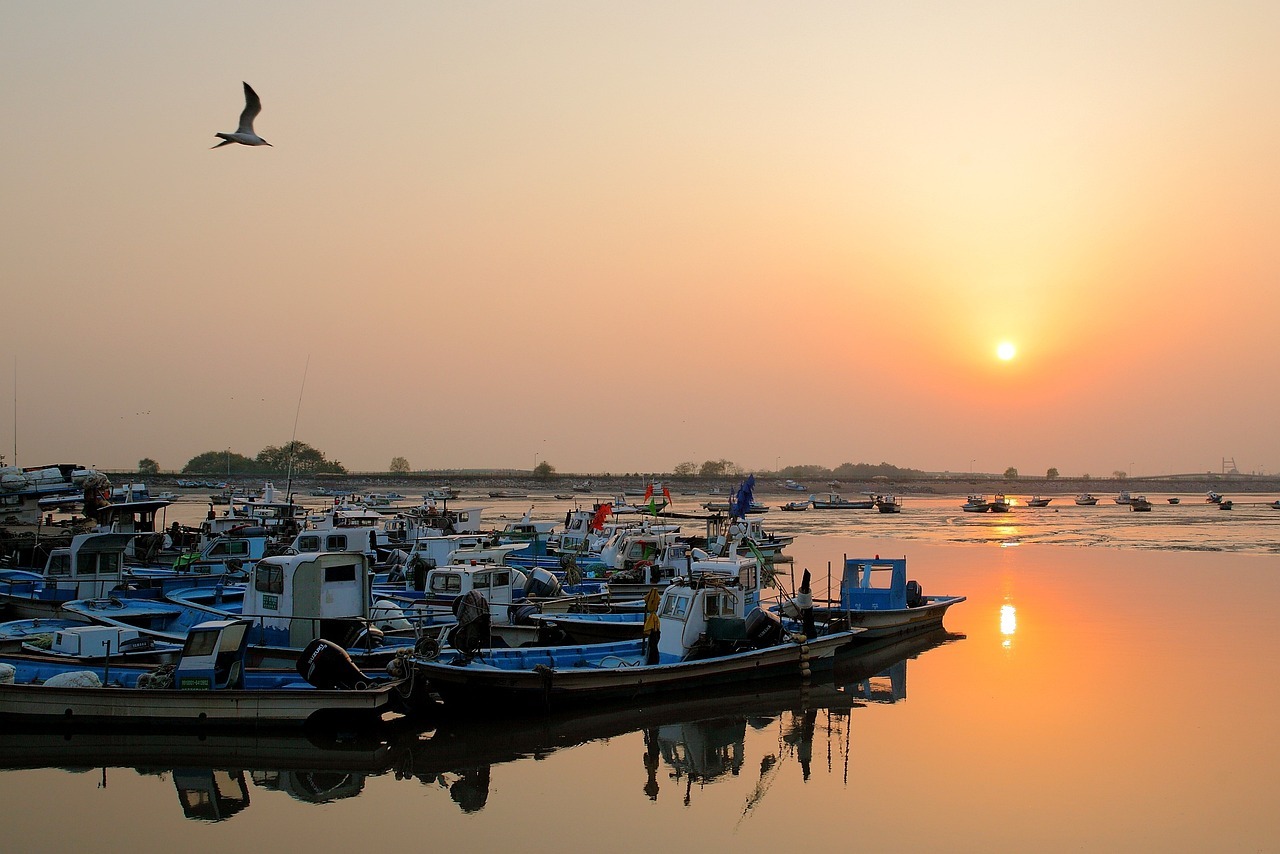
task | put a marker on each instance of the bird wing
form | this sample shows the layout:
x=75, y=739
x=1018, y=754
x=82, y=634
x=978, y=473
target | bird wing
x=252, y=106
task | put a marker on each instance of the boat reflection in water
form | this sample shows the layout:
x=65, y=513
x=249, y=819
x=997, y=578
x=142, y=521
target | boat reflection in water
x=695, y=738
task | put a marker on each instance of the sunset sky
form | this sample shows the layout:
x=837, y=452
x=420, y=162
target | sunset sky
x=618, y=236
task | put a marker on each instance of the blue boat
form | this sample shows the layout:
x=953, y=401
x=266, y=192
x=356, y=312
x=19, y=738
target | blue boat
x=876, y=596
x=703, y=640
x=208, y=687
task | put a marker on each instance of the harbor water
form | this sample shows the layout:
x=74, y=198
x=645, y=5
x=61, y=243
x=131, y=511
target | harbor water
x=1109, y=684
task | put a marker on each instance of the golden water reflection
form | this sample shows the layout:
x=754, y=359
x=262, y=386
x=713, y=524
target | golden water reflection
x=1008, y=624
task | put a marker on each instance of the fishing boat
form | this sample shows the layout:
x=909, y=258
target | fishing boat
x=1139, y=503
x=1037, y=501
x=794, y=506
x=975, y=503
x=1176, y=500
x=703, y=640
x=1000, y=504
x=1225, y=504
x=794, y=486
x=836, y=501
x=1086, y=499
x=888, y=503
x=1124, y=498
x=1213, y=497
x=208, y=687
x=881, y=609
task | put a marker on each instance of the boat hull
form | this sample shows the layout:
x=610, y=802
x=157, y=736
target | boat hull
x=548, y=689
x=194, y=708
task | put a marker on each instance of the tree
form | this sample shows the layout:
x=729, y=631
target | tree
x=1011, y=473
x=685, y=469
x=148, y=466
x=544, y=470
x=221, y=462
x=719, y=468
x=298, y=457
x=399, y=465
x=1051, y=474
x=1119, y=475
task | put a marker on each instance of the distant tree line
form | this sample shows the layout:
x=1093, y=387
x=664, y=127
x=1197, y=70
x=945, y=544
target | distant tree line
x=299, y=457
x=850, y=471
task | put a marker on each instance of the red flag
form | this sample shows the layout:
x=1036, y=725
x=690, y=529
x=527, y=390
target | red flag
x=602, y=513
x=648, y=493
x=666, y=494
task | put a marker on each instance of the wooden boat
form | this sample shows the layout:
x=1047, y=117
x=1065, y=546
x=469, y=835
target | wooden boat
x=1086, y=499
x=888, y=504
x=209, y=687
x=867, y=603
x=836, y=501
x=1037, y=501
x=703, y=641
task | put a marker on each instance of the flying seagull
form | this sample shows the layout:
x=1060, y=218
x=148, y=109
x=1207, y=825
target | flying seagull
x=244, y=134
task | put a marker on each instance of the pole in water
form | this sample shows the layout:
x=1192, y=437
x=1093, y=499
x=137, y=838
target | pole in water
x=804, y=601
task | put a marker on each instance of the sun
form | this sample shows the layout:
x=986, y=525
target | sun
x=1006, y=351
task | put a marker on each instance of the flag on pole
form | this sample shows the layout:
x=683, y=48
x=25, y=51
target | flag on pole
x=742, y=500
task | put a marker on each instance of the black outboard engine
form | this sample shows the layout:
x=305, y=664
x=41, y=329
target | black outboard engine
x=327, y=666
x=764, y=628
x=915, y=595
x=473, y=629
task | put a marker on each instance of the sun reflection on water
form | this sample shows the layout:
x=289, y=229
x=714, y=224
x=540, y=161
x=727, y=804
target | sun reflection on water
x=1008, y=624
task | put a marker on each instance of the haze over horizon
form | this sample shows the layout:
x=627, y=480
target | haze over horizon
x=616, y=237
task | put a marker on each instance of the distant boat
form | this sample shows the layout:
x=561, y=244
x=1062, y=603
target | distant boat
x=1213, y=497
x=1086, y=499
x=1175, y=500
x=1037, y=501
x=794, y=487
x=836, y=501
x=888, y=504
x=795, y=506
x=1224, y=504
x=1000, y=504
x=975, y=504
x=1124, y=498
x=1139, y=503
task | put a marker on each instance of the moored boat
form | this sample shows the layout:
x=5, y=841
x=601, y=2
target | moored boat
x=1139, y=503
x=1037, y=501
x=208, y=687
x=975, y=503
x=881, y=609
x=1086, y=499
x=703, y=640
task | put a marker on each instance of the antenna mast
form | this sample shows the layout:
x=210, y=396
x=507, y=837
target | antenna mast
x=288, y=484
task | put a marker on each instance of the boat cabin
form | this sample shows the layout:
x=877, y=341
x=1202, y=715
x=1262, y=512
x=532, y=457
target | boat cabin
x=213, y=656
x=691, y=615
x=294, y=599
x=877, y=584
x=90, y=567
x=94, y=641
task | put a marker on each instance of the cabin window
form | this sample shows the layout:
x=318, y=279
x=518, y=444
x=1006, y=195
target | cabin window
x=747, y=577
x=336, y=543
x=346, y=572
x=446, y=583
x=677, y=606
x=60, y=565
x=308, y=544
x=108, y=562
x=502, y=579
x=230, y=548
x=200, y=643
x=268, y=578
x=481, y=580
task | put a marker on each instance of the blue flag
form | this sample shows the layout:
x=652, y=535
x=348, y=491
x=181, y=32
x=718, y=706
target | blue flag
x=742, y=501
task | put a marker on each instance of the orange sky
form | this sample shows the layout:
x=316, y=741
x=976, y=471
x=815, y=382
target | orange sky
x=620, y=236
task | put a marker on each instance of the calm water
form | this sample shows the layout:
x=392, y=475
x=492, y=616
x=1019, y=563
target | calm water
x=1082, y=698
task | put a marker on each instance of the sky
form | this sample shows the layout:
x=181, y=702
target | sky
x=619, y=236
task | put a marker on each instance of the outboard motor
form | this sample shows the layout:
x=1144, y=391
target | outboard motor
x=520, y=615
x=473, y=629
x=327, y=666
x=764, y=628
x=915, y=594
x=542, y=583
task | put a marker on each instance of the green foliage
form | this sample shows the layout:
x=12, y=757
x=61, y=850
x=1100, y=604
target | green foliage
x=719, y=468
x=148, y=466
x=270, y=460
x=1051, y=474
x=399, y=465
x=1011, y=473
x=1119, y=475
x=866, y=471
x=688, y=469
x=544, y=470
x=298, y=457
x=221, y=462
